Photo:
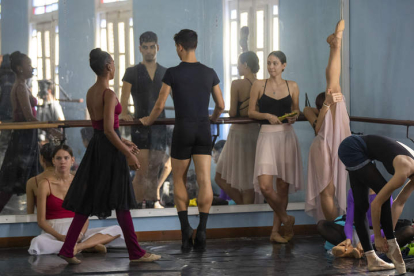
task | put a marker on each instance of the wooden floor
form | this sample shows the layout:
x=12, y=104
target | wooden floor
x=304, y=256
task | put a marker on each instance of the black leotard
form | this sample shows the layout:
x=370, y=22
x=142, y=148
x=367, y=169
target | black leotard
x=273, y=106
x=239, y=104
x=384, y=150
x=191, y=85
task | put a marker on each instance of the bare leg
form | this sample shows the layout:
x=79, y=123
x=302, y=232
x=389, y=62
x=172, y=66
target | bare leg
x=164, y=174
x=327, y=202
x=248, y=196
x=333, y=70
x=231, y=192
x=202, y=165
x=277, y=202
x=140, y=180
x=180, y=169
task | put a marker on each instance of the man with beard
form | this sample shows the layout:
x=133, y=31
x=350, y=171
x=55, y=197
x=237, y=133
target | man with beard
x=143, y=82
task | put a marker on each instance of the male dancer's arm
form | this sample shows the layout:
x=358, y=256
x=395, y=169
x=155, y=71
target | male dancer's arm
x=158, y=107
x=218, y=99
x=125, y=94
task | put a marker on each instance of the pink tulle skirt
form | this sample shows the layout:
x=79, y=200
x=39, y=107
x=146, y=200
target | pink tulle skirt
x=278, y=154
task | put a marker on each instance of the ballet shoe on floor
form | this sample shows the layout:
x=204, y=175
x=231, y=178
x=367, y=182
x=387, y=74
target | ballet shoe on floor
x=289, y=227
x=187, y=238
x=200, y=240
x=72, y=260
x=288, y=237
x=149, y=259
x=394, y=254
x=99, y=248
x=379, y=265
x=277, y=238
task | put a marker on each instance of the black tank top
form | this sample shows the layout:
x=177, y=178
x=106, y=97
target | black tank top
x=384, y=150
x=239, y=104
x=276, y=107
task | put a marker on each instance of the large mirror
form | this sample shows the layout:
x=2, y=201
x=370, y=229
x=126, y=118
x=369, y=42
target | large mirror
x=58, y=36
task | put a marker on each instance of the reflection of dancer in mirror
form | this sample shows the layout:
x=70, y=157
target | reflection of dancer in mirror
x=244, y=39
x=326, y=173
x=55, y=221
x=277, y=151
x=143, y=82
x=234, y=172
x=21, y=160
x=357, y=153
x=192, y=83
x=102, y=181
x=32, y=185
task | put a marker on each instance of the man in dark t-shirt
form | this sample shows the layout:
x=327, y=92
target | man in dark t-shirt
x=191, y=83
x=143, y=82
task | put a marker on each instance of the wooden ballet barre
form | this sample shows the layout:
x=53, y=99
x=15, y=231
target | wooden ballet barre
x=171, y=121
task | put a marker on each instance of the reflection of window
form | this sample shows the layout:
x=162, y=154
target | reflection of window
x=261, y=16
x=116, y=37
x=44, y=6
x=44, y=43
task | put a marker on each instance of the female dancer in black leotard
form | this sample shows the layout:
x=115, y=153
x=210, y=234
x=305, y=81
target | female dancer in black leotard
x=234, y=171
x=102, y=182
x=277, y=152
x=357, y=154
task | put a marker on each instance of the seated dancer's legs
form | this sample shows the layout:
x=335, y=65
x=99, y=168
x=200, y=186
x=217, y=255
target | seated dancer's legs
x=276, y=201
x=68, y=248
x=331, y=232
x=179, y=170
x=202, y=165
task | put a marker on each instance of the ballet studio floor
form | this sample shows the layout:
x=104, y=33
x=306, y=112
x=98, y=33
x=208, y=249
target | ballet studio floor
x=305, y=255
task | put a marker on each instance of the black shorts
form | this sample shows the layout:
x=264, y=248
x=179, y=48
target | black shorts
x=191, y=137
x=151, y=138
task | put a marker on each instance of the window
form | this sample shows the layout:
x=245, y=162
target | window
x=115, y=35
x=44, y=6
x=44, y=43
x=261, y=17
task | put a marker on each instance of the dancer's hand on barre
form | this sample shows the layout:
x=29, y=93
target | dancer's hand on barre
x=132, y=147
x=126, y=117
x=381, y=244
x=273, y=120
x=146, y=121
x=133, y=162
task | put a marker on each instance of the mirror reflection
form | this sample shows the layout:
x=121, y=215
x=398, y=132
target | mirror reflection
x=45, y=78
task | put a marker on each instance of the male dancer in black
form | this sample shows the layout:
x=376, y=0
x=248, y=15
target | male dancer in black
x=144, y=82
x=191, y=83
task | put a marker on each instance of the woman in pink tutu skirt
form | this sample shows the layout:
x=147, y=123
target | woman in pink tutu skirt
x=326, y=192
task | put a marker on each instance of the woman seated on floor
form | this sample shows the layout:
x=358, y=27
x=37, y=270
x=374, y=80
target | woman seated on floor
x=55, y=221
x=32, y=184
x=342, y=233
